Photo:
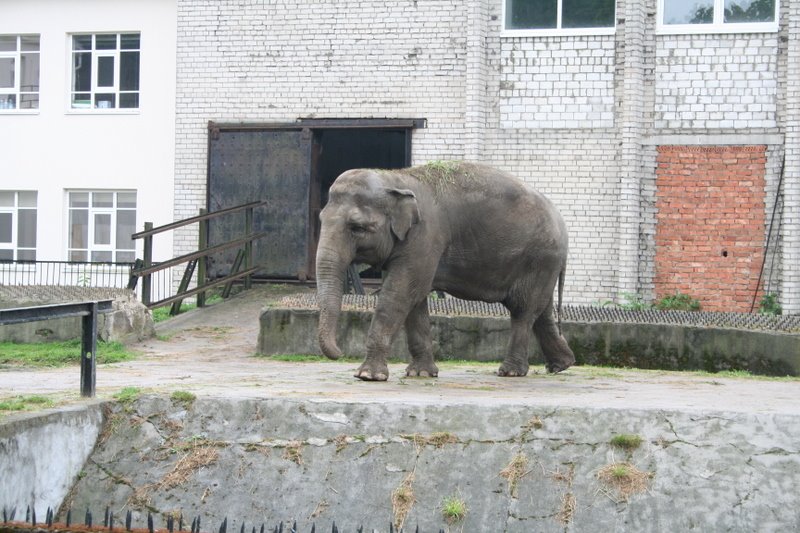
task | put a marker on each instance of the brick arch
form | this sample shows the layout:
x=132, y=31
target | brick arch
x=710, y=223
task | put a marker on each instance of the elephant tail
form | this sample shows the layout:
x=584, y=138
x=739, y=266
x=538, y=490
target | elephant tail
x=561, y=276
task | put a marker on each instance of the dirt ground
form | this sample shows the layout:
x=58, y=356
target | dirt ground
x=211, y=352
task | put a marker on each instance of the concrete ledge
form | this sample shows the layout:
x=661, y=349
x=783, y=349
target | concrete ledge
x=650, y=346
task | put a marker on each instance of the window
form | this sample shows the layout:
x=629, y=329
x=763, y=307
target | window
x=105, y=71
x=18, y=225
x=19, y=72
x=100, y=226
x=717, y=16
x=559, y=16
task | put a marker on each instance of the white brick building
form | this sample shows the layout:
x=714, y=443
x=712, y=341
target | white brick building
x=582, y=113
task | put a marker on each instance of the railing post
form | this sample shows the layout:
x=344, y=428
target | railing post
x=201, y=262
x=248, y=247
x=89, y=352
x=148, y=262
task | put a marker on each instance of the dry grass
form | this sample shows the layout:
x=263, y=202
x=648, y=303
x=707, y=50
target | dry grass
x=567, y=510
x=623, y=480
x=187, y=465
x=514, y=471
x=294, y=452
x=402, y=501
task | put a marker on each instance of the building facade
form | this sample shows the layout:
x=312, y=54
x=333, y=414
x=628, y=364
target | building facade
x=87, y=114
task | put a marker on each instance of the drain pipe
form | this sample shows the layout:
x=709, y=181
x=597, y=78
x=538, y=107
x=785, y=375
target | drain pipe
x=769, y=232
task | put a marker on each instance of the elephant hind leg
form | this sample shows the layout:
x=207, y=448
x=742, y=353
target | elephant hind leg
x=515, y=363
x=557, y=354
x=420, y=343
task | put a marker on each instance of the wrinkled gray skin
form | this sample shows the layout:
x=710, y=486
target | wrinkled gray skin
x=467, y=229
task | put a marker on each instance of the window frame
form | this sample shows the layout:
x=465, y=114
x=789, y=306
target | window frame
x=718, y=26
x=92, y=213
x=16, y=91
x=15, y=225
x=556, y=32
x=95, y=89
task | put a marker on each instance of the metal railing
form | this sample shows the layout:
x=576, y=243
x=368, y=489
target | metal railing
x=65, y=273
x=88, y=311
x=242, y=267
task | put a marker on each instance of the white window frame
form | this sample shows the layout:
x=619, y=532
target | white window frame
x=558, y=31
x=112, y=211
x=14, y=210
x=717, y=26
x=95, y=87
x=16, y=90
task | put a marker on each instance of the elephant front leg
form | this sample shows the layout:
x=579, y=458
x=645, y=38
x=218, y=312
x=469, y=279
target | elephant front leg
x=420, y=343
x=386, y=321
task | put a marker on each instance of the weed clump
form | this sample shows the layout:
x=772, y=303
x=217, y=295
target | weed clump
x=454, y=509
x=624, y=480
x=514, y=471
x=626, y=441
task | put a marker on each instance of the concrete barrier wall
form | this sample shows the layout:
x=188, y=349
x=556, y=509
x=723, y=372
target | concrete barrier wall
x=655, y=346
x=42, y=455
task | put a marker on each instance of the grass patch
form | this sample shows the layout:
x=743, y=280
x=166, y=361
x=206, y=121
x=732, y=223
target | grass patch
x=626, y=441
x=25, y=403
x=454, y=509
x=128, y=394
x=184, y=397
x=55, y=354
x=624, y=480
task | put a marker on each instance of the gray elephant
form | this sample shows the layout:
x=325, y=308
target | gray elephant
x=464, y=228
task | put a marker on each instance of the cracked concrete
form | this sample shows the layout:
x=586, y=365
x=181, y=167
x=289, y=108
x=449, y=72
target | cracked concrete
x=268, y=440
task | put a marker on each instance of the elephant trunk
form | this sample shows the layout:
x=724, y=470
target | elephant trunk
x=331, y=272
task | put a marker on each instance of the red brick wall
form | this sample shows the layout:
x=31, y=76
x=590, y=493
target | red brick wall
x=710, y=223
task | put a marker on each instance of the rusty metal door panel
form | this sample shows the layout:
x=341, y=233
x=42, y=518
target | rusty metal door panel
x=272, y=165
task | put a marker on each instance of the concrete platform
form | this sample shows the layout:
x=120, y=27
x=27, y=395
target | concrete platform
x=307, y=441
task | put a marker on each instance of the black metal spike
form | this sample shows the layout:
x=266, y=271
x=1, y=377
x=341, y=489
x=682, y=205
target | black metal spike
x=223, y=528
x=171, y=524
x=105, y=518
x=88, y=518
x=280, y=527
x=128, y=520
x=13, y=514
x=294, y=526
x=198, y=525
x=314, y=528
x=417, y=530
x=69, y=517
x=262, y=527
x=111, y=521
x=334, y=529
x=5, y=516
x=254, y=529
x=391, y=527
x=50, y=517
x=194, y=522
x=180, y=522
x=150, y=527
x=242, y=528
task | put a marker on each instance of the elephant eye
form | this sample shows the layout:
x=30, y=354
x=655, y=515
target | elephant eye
x=358, y=229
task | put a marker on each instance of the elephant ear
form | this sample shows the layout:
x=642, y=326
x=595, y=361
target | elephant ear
x=404, y=213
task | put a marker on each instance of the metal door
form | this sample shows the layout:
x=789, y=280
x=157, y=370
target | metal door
x=262, y=164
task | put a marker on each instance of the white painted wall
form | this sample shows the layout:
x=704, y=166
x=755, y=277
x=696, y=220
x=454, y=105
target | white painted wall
x=56, y=148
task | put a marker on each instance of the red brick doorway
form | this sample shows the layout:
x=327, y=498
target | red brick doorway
x=710, y=226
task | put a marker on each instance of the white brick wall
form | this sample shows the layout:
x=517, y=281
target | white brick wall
x=716, y=81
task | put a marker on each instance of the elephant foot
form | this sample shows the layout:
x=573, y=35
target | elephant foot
x=422, y=370
x=561, y=362
x=508, y=370
x=372, y=371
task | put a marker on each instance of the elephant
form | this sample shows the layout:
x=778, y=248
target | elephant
x=468, y=229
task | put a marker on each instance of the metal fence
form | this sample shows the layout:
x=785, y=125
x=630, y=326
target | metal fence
x=80, y=274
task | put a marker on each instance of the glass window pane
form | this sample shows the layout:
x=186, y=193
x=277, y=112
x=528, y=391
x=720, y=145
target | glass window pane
x=81, y=100
x=7, y=70
x=78, y=255
x=29, y=101
x=531, y=14
x=27, y=198
x=129, y=41
x=7, y=198
x=26, y=255
x=101, y=257
x=82, y=72
x=126, y=226
x=102, y=228
x=126, y=257
x=103, y=199
x=106, y=42
x=587, y=13
x=81, y=42
x=6, y=255
x=6, y=220
x=79, y=199
x=129, y=100
x=26, y=235
x=126, y=199
x=129, y=71
x=749, y=10
x=105, y=101
x=78, y=228
x=8, y=43
x=29, y=73
x=30, y=43
x=688, y=11
x=105, y=71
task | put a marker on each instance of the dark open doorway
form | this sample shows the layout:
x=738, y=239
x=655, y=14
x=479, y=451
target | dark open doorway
x=292, y=166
